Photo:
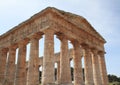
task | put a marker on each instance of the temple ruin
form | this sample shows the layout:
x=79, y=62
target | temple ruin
x=87, y=43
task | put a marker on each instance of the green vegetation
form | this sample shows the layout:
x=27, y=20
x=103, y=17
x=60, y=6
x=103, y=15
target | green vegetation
x=114, y=83
x=113, y=80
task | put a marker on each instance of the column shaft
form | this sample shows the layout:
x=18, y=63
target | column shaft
x=88, y=66
x=103, y=70
x=65, y=70
x=78, y=74
x=10, y=68
x=96, y=69
x=21, y=66
x=48, y=59
x=3, y=57
x=33, y=68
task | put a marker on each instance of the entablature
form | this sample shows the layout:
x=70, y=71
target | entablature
x=22, y=32
x=50, y=19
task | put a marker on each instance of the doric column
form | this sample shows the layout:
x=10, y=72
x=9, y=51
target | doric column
x=33, y=67
x=103, y=70
x=10, y=68
x=48, y=59
x=96, y=69
x=65, y=73
x=21, y=65
x=58, y=72
x=88, y=70
x=78, y=74
x=3, y=57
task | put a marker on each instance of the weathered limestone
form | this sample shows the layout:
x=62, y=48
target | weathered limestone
x=88, y=66
x=103, y=70
x=3, y=58
x=1, y=74
x=33, y=68
x=65, y=73
x=21, y=62
x=96, y=69
x=10, y=69
x=68, y=27
x=48, y=60
x=77, y=56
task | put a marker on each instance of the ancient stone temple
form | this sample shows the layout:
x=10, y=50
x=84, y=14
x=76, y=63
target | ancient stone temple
x=87, y=43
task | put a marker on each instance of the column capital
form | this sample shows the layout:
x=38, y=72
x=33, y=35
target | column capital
x=12, y=46
x=36, y=36
x=75, y=43
x=77, y=46
x=94, y=50
x=85, y=46
x=22, y=43
x=62, y=37
x=48, y=31
x=101, y=52
x=12, y=50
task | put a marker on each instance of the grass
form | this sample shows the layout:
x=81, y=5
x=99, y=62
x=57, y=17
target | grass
x=114, y=83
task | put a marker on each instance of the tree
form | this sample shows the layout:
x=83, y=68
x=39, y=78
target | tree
x=113, y=78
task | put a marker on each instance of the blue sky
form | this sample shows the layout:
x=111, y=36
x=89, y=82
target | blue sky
x=104, y=15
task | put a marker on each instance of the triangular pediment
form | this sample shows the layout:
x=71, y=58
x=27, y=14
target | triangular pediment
x=77, y=20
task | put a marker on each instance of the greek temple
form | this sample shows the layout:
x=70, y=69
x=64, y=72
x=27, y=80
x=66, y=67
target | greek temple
x=87, y=43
